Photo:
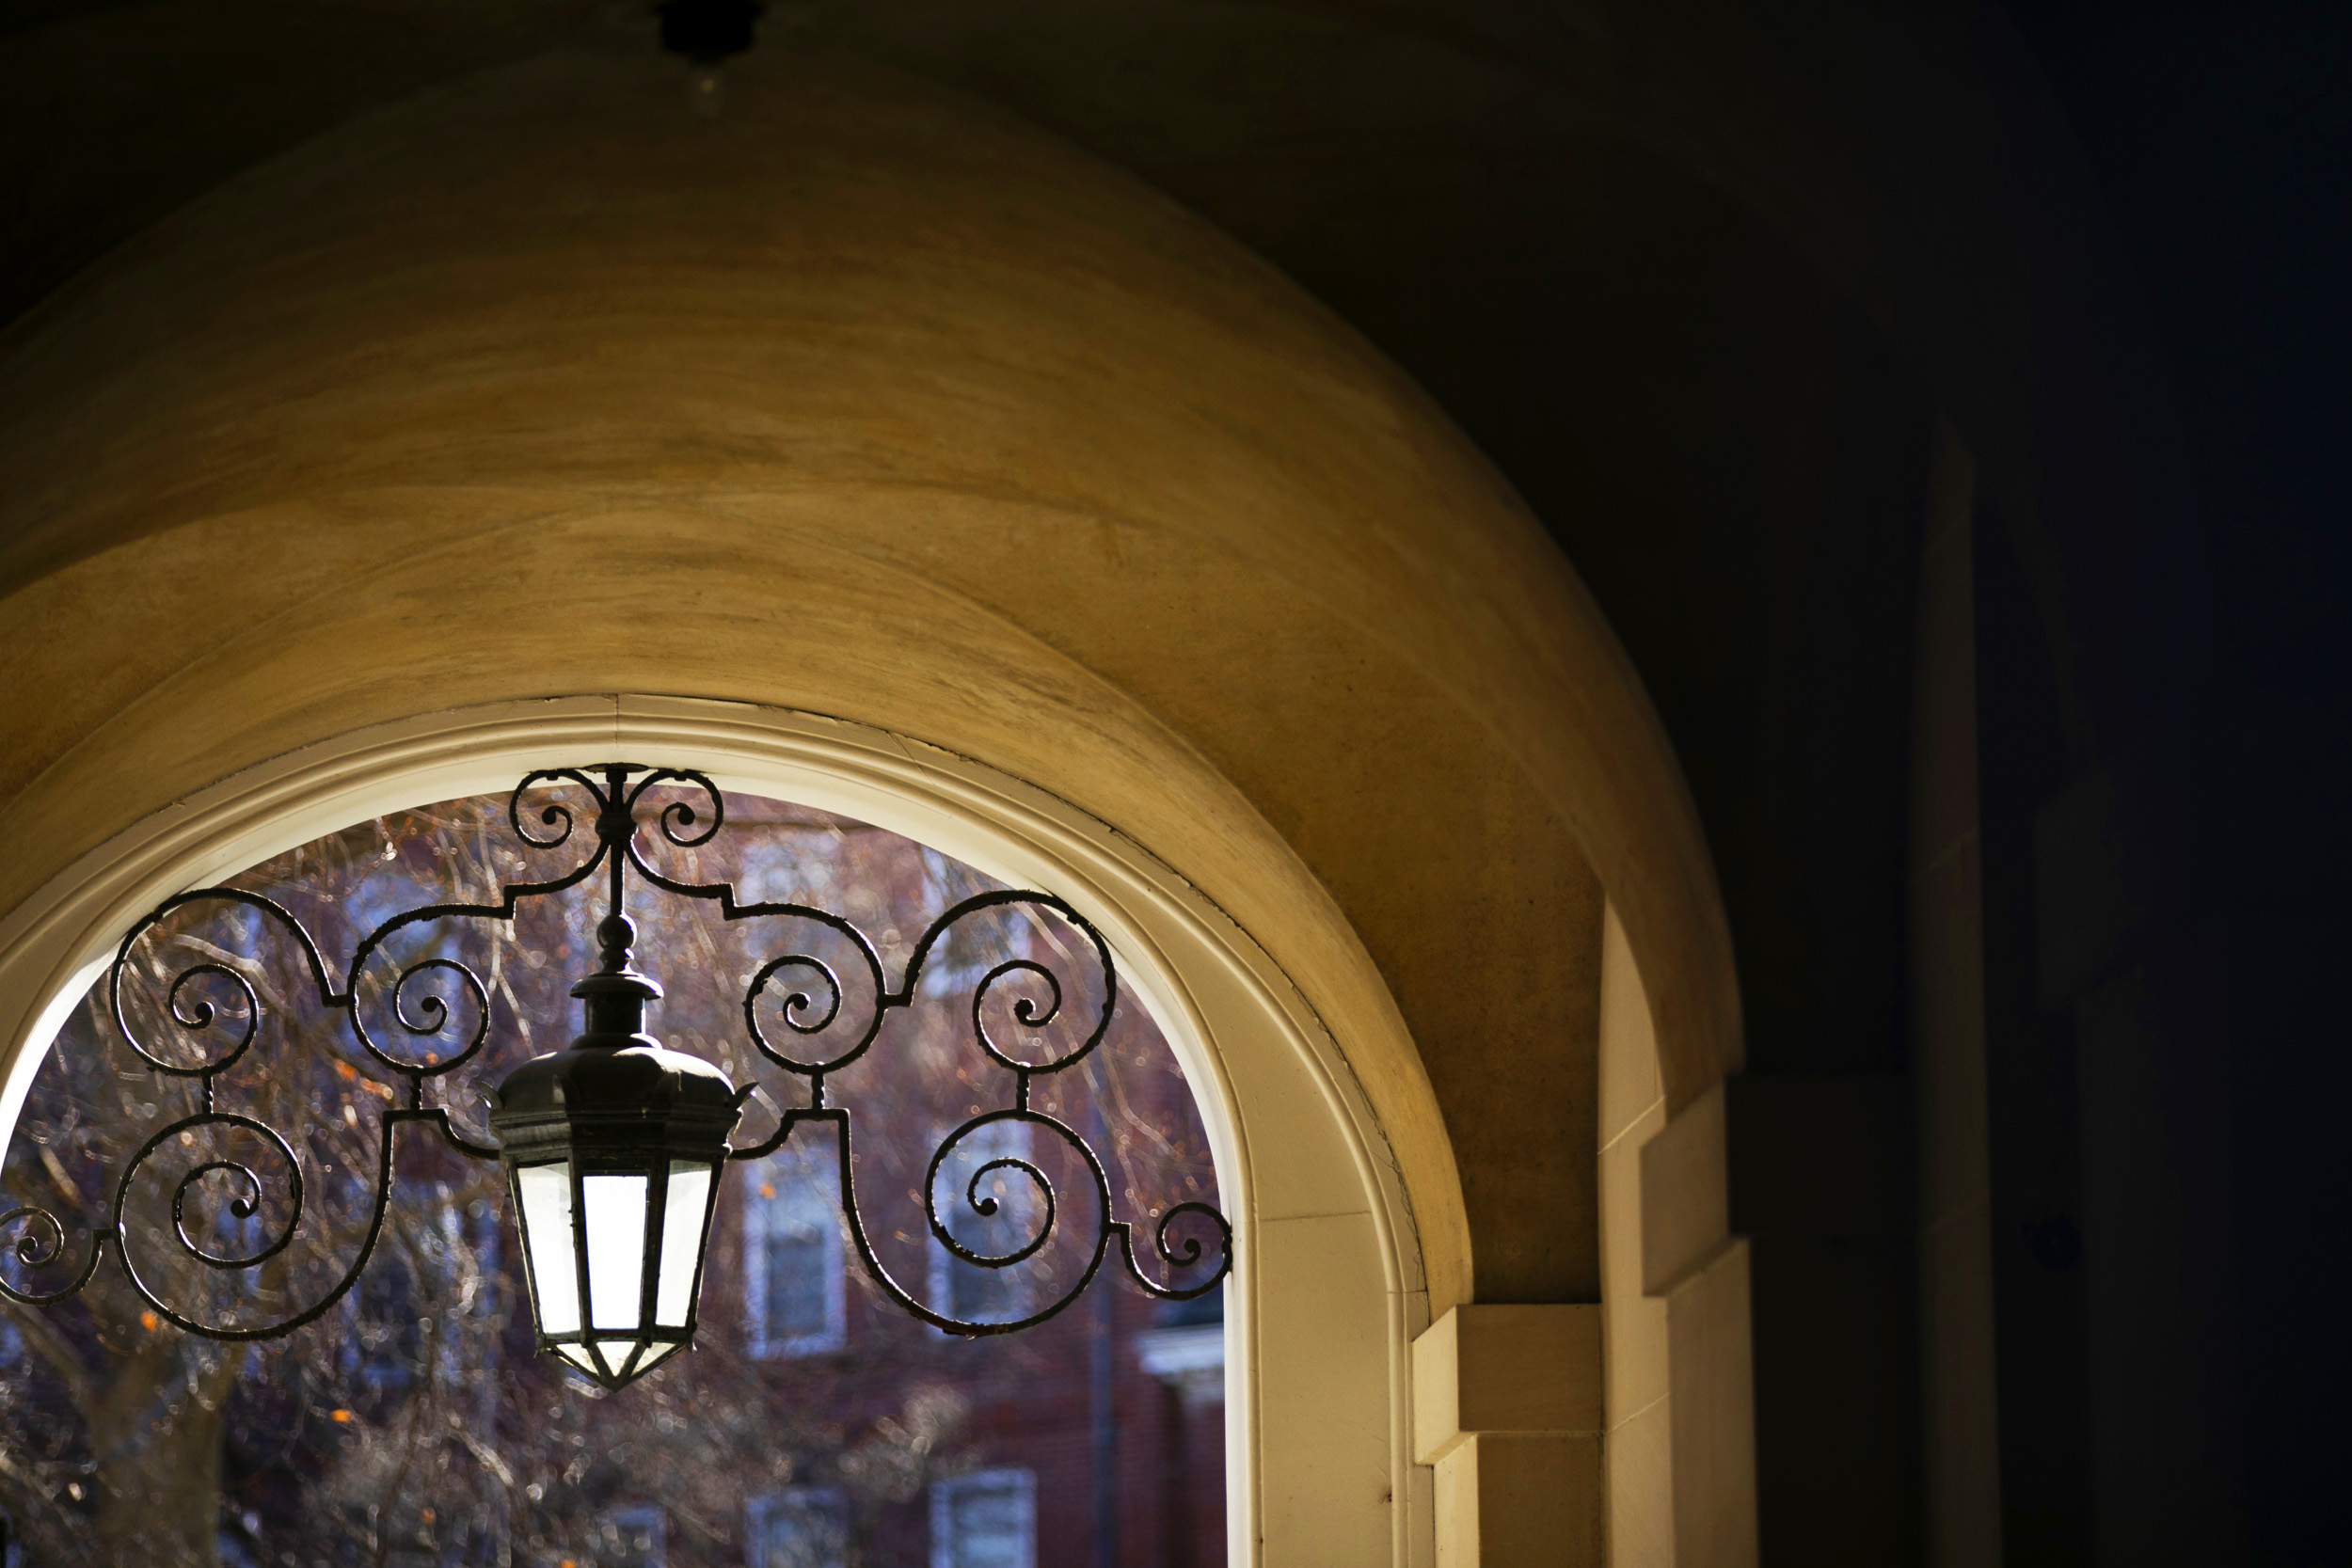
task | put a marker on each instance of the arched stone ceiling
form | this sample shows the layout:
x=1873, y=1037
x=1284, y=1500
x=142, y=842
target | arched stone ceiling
x=1433, y=170
x=1629, y=248
x=1908, y=154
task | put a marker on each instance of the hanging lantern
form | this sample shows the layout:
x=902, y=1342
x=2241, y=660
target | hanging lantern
x=613, y=1148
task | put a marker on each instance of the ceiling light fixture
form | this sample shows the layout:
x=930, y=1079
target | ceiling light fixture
x=707, y=32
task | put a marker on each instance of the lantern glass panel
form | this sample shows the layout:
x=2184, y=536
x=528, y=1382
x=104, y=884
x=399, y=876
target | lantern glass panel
x=543, y=1195
x=681, y=1241
x=615, y=1207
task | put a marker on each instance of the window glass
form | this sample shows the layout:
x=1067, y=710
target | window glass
x=793, y=1299
x=986, y=1520
x=800, y=1526
x=632, y=1538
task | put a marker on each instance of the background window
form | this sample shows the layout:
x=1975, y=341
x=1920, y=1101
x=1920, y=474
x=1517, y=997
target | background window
x=632, y=1538
x=985, y=1520
x=792, y=1297
x=441, y=1262
x=800, y=1526
x=967, y=1290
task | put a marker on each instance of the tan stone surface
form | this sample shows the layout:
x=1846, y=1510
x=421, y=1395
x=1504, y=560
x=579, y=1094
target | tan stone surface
x=1637, y=1449
x=1714, y=1415
x=1636, y=1320
x=1686, y=1195
x=1518, y=1500
x=1525, y=1368
x=863, y=403
x=1630, y=1087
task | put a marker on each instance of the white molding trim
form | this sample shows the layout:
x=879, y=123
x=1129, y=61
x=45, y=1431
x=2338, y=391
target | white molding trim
x=1190, y=1359
x=1327, y=1290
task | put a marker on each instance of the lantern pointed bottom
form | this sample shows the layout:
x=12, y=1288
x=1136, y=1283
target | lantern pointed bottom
x=615, y=1363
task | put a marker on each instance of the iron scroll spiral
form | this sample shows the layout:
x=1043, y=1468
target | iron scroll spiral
x=1030, y=1012
x=218, y=1014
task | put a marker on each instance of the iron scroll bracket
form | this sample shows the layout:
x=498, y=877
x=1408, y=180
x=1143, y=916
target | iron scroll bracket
x=426, y=995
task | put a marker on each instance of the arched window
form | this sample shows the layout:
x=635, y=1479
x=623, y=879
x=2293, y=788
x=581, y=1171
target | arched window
x=422, y=1428
x=1328, y=1288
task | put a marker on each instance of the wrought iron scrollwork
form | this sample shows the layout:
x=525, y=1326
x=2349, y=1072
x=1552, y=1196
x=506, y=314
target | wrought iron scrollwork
x=809, y=997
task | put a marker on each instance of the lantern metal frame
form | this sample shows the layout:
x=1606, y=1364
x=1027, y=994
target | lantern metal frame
x=812, y=994
x=651, y=1342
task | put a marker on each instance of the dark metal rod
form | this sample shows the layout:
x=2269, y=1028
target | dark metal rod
x=617, y=835
x=1103, y=1390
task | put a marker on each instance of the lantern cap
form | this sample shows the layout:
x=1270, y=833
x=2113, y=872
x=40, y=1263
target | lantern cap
x=591, y=1094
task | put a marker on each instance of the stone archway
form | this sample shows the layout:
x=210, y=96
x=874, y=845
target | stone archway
x=864, y=403
x=1327, y=1264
